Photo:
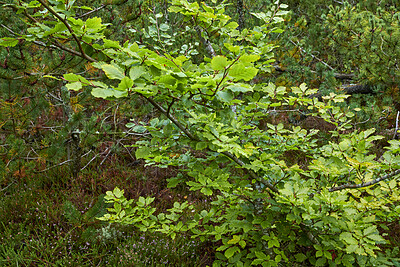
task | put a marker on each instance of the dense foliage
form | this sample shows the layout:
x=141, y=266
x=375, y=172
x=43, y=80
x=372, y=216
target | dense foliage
x=288, y=173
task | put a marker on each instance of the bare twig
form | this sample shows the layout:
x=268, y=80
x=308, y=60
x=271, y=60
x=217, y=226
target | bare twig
x=320, y=60
x=344, y=186
x=7, y=186
x=57, y=165
x=91, y=11
x=95, y=156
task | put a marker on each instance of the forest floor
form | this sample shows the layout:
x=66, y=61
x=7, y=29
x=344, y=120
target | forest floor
x=50, y=219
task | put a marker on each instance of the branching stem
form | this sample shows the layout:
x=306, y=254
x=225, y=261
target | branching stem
x=82, y=53
x=377, y=180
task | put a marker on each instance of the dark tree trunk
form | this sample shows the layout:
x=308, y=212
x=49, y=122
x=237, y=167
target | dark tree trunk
x=240, y=12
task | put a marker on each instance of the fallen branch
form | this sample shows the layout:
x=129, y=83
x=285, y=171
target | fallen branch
x=358, y=89
x=339, y=76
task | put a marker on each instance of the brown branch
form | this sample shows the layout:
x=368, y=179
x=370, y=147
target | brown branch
x=171, y=118
x=344, y=186
x=69, y=29
x=194, y=138
x=74, y=52
x=358, y=89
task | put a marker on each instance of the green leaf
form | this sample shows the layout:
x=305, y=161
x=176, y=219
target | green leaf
x=219, y=62
x=8, y=42
x=58, y=28
x=348, y=238
x=300, y=257
x=260, y=255
x=240, y=72
x=234, y=49
x=118, y=193
x=142, y=152
x=225, y=96
x=201, y=145
x=206, y=191
x=370, y=230
x=273, y=243
x=125, y=84
x=76, y=86
x=249, y=58
x=173, y=182
x=230, y=252
x=75, y=78
x=242, y=88
x=113, y=71
x=136, y=128
x=111, y=44
x=320, y=262
x=164, y=27
x=93, y=25
x=136, y=72
x=102, y=92
x=234, y=240
x=376, y=237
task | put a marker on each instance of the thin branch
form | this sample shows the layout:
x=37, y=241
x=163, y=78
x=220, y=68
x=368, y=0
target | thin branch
x=171, y=118
x=68, y=27
x=55, y=45
x=91, y=11
x=344, y=186
x=7, y=186
x=226, y=153
x=170, y=105
x=320, y=60
x=95, y=156
x=57, y=165
x=67, y=49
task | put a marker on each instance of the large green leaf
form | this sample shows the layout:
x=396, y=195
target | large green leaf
x=240, y=72
x=136, y=72
x=219, y=62
x=113, y=71
x=93, y=25
x=8, y=42
x=225, y=96
x=102, y=92
x=75, y=78
x=230, y=252
x=75, y=86
x=125, y=84
x=142, y=152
